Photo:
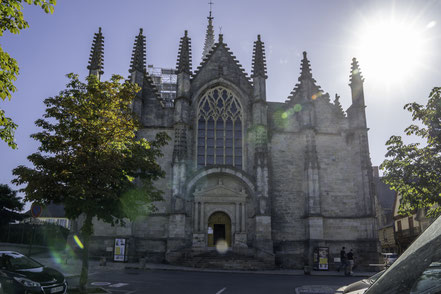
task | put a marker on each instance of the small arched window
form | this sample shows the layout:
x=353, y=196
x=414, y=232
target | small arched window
x=219, y=138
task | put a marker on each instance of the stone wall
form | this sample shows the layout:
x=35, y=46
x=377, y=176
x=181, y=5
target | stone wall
x=343, y=217
x=148, y=234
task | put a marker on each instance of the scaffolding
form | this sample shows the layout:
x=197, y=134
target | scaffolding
x=165, y=79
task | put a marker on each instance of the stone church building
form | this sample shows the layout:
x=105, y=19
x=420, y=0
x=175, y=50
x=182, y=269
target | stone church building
x=271, y=180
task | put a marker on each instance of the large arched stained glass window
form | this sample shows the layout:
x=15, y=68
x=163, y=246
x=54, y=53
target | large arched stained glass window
x=219, y=128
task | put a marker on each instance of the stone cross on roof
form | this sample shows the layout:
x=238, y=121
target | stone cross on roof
x=210, y=3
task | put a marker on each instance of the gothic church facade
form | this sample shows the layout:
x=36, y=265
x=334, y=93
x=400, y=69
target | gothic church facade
x=272, y=180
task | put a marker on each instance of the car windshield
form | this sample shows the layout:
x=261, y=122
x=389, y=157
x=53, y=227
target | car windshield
x=17, y=261
x=418, y=269
x=375, y=277
x=429, y=281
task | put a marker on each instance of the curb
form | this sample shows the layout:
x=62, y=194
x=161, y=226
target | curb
x=190, y=269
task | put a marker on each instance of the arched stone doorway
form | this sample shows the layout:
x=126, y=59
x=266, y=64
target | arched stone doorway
x=217, y=192
x=219, y=228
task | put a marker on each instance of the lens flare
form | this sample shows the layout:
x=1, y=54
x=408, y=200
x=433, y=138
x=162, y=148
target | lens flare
x=222, y=246
x=431, y=24
x=392, y=47
x=62, y=258
x=78, y=241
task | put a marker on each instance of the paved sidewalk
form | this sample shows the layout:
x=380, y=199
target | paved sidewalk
x=71, y=268
x=292, y=272
x=318, y=289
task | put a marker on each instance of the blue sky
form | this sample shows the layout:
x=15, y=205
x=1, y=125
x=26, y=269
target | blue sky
x=330, y=31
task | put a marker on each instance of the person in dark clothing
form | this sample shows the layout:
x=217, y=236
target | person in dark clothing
x=350, y=257
x=342, y=259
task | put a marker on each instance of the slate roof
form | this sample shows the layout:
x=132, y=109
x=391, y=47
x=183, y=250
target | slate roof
x=386, y=196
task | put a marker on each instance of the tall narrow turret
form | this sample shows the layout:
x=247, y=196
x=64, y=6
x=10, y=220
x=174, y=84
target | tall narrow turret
x=182, y=109
x=357, y=122
x=259, y=69
x=260, y=126
x=182, y=104
x=138, y=54
x=356, y=112
x=96, y=60
x=260, y=135
x=209, y=36
x=259, y=90
x=184, y=55
x=137, y=70
x=181, y=121
x=356, y=84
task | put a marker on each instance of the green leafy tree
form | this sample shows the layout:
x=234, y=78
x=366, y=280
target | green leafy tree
x=90, y=159
x=414, y=171
x=11, y=19
x=10, y=205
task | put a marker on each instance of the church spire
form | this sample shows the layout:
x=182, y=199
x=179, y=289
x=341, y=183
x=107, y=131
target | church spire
x=209, y=36
x=138, y=55
x=184, y=55
x=259, y=62
x=96, y=60
x=305, y=68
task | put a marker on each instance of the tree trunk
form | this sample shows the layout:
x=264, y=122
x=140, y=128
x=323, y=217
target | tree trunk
x=86, y=231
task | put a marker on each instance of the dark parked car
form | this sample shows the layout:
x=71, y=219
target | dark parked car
x=22, y=275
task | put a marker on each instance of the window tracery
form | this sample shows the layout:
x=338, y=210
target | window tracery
x=219, y=138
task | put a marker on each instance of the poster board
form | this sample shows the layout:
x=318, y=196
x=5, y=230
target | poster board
x=120, y=250
x=321, y=258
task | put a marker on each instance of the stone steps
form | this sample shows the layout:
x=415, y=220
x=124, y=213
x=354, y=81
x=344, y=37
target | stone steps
x=230, y=261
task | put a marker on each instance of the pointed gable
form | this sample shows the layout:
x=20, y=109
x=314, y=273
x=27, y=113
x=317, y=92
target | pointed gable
x=306, y=89
x=221, y=63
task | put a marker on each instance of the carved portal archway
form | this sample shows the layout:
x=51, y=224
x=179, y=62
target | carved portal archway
x=220, y=200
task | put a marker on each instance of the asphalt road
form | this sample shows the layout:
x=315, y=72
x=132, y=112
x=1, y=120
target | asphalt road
x=164, y=282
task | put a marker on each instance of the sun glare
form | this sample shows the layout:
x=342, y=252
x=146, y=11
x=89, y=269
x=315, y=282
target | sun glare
x=391, y=51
